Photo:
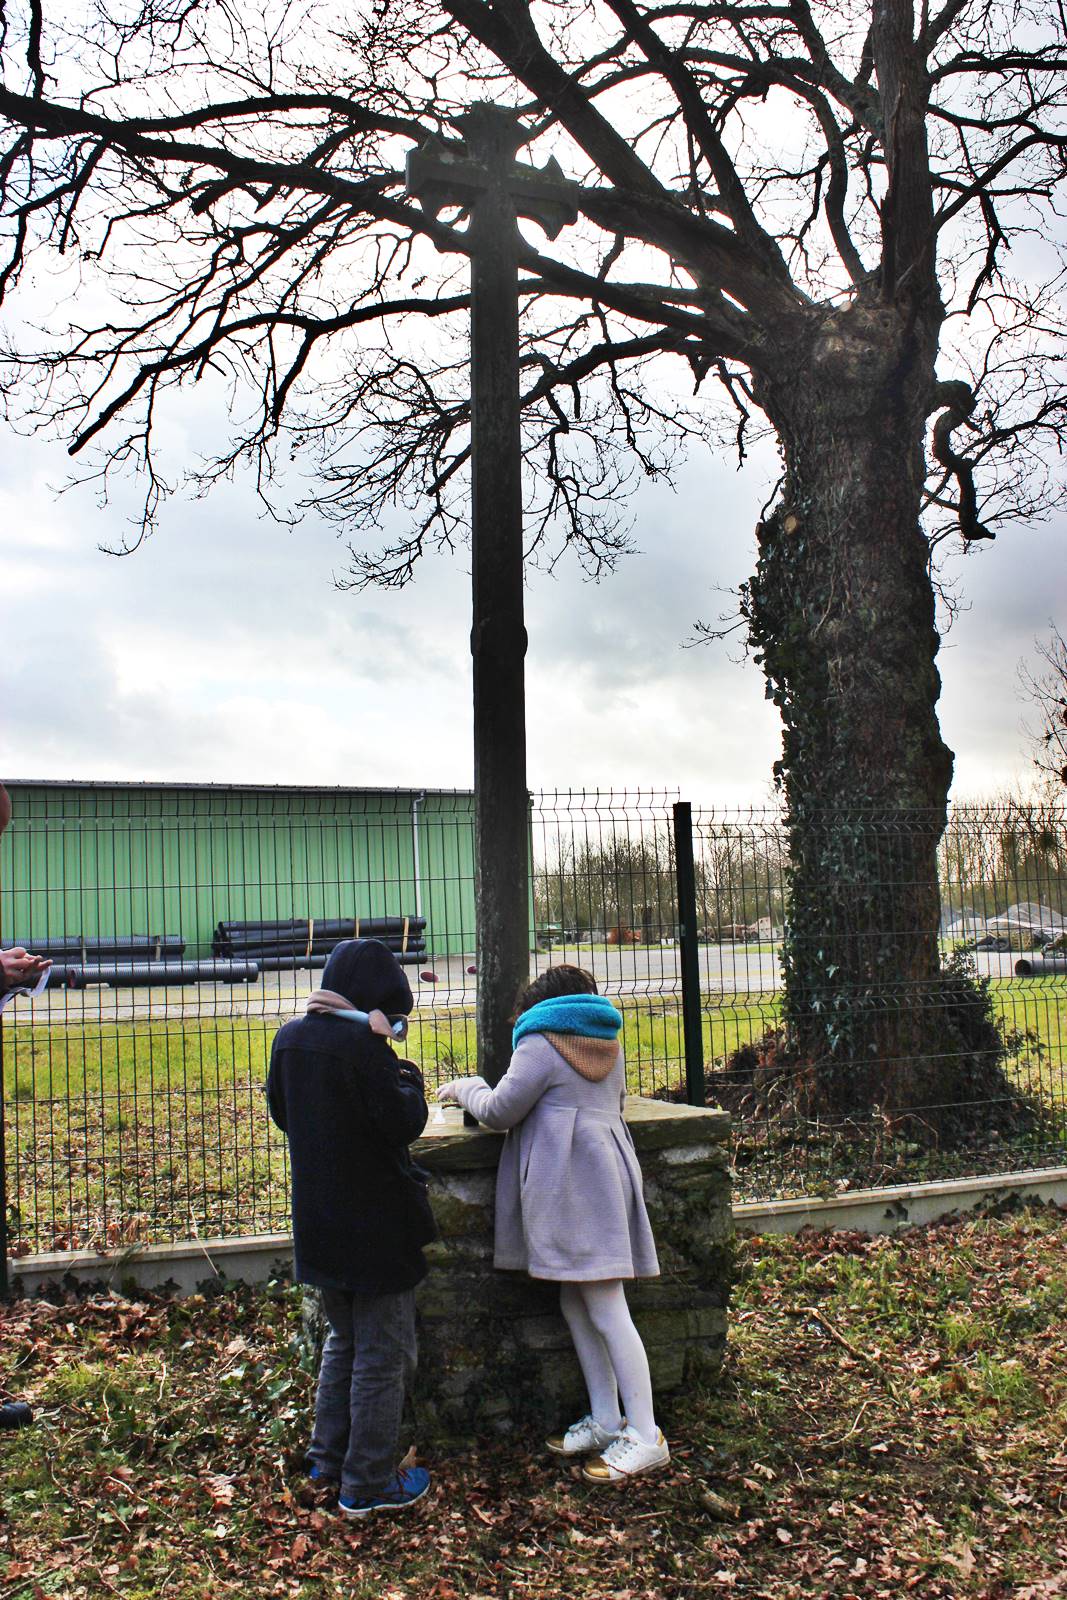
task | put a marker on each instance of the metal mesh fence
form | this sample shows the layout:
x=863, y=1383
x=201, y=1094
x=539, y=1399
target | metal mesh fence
x=932, y=970
x=187, y=925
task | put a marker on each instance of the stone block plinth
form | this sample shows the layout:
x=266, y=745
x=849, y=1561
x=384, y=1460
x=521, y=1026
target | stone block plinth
x=494, y=1351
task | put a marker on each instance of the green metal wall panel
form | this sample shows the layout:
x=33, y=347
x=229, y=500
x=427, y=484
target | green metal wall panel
x=446, y=862
x=107, y=860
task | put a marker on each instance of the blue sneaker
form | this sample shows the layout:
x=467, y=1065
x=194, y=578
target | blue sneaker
x=322, y=1477
x=409, y=1486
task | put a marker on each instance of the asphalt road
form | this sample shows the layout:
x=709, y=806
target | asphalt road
x=727, y=969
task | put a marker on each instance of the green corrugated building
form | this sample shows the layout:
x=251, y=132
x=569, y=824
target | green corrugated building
x=102, y=860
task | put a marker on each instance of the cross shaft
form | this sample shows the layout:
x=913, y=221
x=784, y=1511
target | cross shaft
x=482, y=175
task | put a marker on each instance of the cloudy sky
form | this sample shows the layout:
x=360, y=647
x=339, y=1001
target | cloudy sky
x=222, y=651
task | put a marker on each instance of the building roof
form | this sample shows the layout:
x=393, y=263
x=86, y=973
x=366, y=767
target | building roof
x=228, y=788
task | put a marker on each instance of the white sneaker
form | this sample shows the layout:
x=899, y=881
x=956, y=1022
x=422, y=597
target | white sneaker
x=626, y=1457
x=581, y=1438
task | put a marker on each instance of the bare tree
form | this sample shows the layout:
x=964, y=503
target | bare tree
x=802, y=210
x=1045, y=687
x=608, y=881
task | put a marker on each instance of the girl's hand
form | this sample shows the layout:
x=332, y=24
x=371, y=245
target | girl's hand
x=447, y=1095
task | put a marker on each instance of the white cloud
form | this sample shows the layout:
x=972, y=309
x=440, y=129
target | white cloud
x=221, y=651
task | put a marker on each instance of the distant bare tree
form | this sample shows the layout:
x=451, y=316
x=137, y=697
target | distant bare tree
x=624, y=877
x=608, y=878
x=1046, y=688
x=802, y=209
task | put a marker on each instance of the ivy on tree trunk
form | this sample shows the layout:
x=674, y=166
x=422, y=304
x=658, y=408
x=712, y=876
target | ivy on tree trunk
x=840, y=612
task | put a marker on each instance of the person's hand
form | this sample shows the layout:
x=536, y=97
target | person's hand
x=20, y=967
x=408, y=1072
x=447, y=1095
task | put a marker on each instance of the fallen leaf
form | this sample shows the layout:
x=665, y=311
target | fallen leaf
x=962, y=1558
x=220, y=1488
x=1053, y=1588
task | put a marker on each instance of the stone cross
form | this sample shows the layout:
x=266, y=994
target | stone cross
x=482, y=175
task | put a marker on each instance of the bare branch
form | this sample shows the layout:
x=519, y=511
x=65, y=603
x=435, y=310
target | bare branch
x=959, y=403
x=739, y=170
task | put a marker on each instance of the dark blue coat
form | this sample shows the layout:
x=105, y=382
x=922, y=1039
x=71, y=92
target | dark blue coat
x=350, y=1110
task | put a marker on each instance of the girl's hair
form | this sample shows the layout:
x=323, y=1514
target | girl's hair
x=555, y=981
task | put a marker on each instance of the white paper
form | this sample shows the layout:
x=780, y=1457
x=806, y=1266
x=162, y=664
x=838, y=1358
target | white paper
x=30, y=990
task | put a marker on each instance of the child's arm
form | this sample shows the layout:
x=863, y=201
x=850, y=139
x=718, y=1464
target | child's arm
x=275, y=1098
x=517, y=1093
x=391, y=1095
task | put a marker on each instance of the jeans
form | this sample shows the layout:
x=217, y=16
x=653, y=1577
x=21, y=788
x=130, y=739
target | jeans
x=367, y=1361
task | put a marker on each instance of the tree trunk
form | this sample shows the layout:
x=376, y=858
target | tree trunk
x=841, y=611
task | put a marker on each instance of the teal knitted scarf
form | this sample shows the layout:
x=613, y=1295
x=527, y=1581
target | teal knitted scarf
x=589, y=1015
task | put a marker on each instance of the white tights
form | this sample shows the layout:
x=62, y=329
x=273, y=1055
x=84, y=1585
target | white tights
x=612, y=1357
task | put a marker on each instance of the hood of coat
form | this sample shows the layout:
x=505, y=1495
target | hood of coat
x=593, y=1059
x=369, y=976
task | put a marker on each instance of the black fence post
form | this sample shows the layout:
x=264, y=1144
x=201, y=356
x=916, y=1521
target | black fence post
x=692, y=1032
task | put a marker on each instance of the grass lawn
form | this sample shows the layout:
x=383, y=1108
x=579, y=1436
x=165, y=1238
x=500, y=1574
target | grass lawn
x=184, y=1055
x=126, y=1131
x=891, y=1421
x=70, y=1060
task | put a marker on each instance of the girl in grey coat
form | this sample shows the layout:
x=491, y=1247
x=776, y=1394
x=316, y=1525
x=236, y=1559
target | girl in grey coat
x=570, y=1208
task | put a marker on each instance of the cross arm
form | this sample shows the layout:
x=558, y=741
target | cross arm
x=446, y=173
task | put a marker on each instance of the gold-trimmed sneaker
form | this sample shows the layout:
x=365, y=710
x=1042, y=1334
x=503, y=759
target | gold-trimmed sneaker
x=627, y=1457
x=582, y=1438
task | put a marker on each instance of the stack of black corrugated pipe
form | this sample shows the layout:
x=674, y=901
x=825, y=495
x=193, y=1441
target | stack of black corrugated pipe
x=307, y=941
x=132, y=961
x=1042, y=965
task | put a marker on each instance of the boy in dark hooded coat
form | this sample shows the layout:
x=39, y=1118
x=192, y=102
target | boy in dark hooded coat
x=350, y=1109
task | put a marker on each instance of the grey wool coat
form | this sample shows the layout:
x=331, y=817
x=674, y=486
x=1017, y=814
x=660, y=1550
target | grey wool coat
x=569, y=1202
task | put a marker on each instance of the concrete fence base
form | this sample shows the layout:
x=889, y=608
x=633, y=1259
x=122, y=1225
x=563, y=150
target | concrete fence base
x=256, y=1258
x=907, y=1205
